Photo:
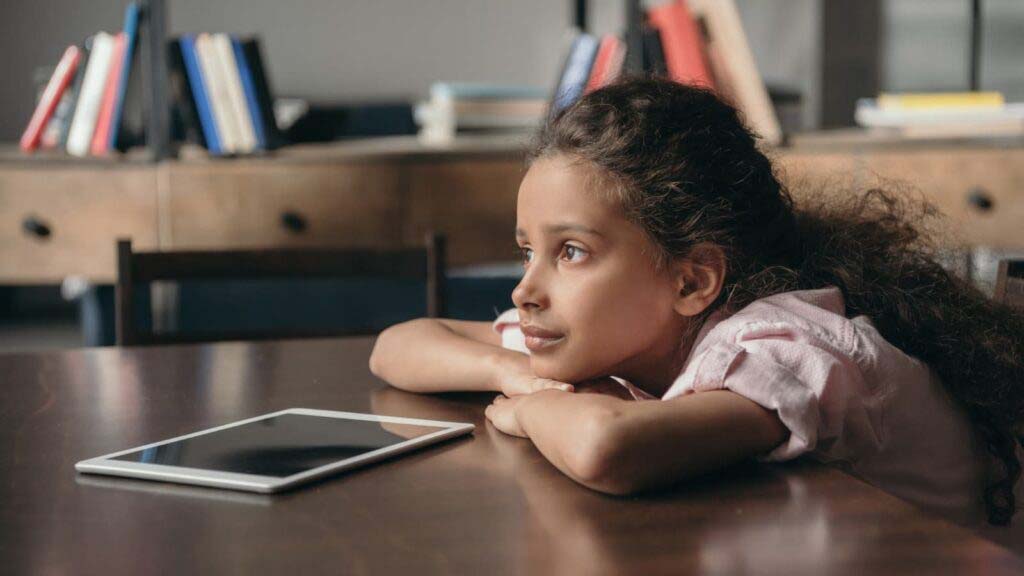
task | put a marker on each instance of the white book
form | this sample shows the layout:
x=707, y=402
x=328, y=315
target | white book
x=217, y=94
x=734, y=68
x=91, y=95
x=225, y=56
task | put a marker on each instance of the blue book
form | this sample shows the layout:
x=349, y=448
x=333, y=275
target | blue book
x=198, y=86
x=249, y=89
x=131, y=32
x=576, y=72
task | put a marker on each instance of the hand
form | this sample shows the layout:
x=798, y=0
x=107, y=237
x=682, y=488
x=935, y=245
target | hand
x=502, y=413
x=515, y=378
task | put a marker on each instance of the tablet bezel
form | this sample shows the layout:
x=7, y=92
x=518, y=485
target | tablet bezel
x=268, y=484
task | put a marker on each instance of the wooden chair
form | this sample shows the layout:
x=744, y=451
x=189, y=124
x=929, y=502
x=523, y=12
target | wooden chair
x=143, y=268
x=1010, y=283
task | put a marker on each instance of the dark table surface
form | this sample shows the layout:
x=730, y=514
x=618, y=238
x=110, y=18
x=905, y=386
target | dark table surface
x=486, y=504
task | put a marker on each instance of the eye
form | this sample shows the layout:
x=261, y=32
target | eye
x=526, y=255
x=572, y=253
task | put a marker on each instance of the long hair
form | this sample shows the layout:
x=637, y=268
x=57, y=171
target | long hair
x=685, y=168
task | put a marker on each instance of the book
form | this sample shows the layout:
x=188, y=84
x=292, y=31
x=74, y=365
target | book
x=237, y=107
x=185, y=123
x=52, y=94
x=73, y=92
x=682, y=42
x=51, y=134
x=101, y=134
x=264, y=93
x=131, y=28
x=654, y=53
x=734, y=67
x=575, y=72
x=605, y=62
x=217, y=95
x=941, y=100
x=83, y=124
x=200, y=97
x=869, y=114
x=249, y=90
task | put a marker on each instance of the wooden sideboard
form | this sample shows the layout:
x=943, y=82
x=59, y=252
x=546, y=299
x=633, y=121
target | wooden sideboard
x=60, y=217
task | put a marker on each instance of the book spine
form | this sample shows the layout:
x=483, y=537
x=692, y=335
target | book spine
x=101, y=135
x=236, y=98
x=84, y=122
x=577, y=72
x=217, y=94
x=197, y=84
x=51, y=97
x=601, y=63
x=249, y=88
x=683, y=44
x=264, y=94
x=184, y=114
x=131, y=27
x=74, y=92
x=51, y=134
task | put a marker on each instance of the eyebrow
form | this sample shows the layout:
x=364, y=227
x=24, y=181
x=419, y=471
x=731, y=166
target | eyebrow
x=563, y=227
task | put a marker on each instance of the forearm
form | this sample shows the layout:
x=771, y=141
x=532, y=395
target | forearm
x=573, y=431
x=426, y=356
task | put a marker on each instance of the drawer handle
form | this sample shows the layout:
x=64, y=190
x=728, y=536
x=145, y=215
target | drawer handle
x=293, y=222
x=980, y=199
x=35, y=227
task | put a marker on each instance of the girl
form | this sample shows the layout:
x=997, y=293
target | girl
x=665, y=261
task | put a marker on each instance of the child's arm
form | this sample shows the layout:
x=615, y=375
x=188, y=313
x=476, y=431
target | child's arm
x=621, y=447
x=438, y=355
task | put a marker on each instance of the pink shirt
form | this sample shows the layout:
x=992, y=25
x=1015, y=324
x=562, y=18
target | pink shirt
x=849, y=397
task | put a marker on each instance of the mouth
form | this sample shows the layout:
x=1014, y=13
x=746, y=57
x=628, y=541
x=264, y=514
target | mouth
x=538, y=339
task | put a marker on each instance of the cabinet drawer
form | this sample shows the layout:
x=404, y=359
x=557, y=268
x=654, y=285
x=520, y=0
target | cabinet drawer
x=472, y=202
x=981, y=191
x=62, y=222
x=258, y=205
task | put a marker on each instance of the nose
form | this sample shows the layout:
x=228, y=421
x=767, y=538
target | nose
x=529, y=293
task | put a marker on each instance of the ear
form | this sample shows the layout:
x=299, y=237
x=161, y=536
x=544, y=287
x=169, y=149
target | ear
x=698, y=278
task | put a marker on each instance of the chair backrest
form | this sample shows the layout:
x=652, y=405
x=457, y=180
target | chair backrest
x=1010, y=283
x=135, y=269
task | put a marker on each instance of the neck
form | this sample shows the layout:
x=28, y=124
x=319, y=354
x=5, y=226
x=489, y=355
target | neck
x=655, y=371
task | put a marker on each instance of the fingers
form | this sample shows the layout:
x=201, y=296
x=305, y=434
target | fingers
x=545, y=384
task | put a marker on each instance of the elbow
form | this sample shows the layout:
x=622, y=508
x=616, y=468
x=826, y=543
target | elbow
x=597, y=460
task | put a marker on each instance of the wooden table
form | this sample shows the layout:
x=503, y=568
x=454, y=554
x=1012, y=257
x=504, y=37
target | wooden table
x=489, y=504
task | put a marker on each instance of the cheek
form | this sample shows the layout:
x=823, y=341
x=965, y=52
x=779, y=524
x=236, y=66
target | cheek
x=608, y=321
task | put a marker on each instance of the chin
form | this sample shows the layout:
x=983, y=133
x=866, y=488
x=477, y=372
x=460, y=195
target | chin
x=552, y=369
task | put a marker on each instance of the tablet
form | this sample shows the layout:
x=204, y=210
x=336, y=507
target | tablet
x=275, y=451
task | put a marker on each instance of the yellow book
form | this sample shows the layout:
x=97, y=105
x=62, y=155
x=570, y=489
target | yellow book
x=926, y=100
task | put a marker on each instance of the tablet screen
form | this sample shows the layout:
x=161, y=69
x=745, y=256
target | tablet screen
x=278, y=446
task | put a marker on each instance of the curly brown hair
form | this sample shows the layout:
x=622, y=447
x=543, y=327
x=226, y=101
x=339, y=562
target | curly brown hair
x=686, y=169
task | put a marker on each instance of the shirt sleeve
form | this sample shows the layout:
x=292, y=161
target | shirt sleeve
x=812, y=386
x=507, y=325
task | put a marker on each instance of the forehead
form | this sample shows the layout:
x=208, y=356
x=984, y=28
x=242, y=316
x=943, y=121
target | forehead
x=558, y=189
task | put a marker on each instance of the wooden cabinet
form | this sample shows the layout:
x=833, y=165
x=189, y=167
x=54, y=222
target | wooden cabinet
x=981, y=191
x=64, y=222
x=251, y=205
x=472, y=202
x=389, y=192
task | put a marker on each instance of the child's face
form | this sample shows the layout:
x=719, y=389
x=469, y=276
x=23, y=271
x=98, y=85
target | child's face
x=591, y=303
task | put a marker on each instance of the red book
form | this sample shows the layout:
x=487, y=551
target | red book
x=600, y=73
x=101, y=136
x=51, y=96
x=683, y=44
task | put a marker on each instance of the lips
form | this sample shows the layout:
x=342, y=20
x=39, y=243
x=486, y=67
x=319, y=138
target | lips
x=538, y=339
